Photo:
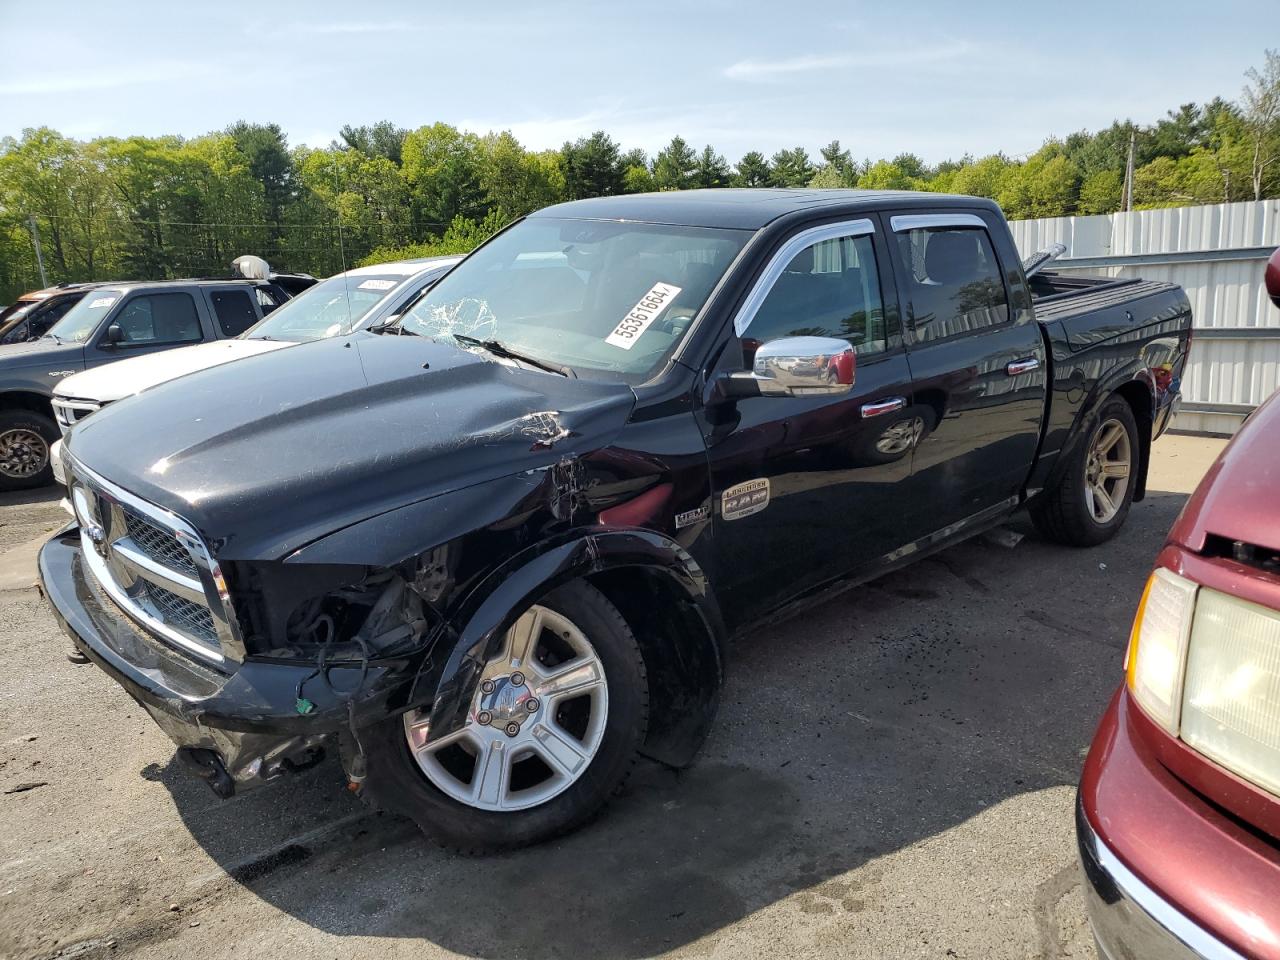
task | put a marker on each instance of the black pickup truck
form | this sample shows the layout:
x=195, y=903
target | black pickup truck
x=494, y=549
x=109, y=322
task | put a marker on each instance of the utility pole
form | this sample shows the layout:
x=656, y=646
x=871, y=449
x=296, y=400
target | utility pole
x=1128, y=173
x=35, y=238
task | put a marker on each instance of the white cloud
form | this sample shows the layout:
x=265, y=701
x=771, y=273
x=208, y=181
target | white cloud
x=773, y=69
x=364, y=26
x=64, y=81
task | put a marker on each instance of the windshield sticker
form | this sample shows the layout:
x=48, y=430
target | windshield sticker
x=376, y=285
x=744, y=499
x=102, y=302
x=635, y=323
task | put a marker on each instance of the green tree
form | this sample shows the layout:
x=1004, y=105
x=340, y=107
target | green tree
x=441, y=166
x=712, y=169
x=752, y=171
x=791, y=168
x=382, y=139
x=516, y=182
x=1260, y=109
x=885, y=175
x=592, y=167
x=1101, y=192
x=676, y=166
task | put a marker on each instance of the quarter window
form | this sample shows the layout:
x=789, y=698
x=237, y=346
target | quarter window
x=954, y=281
x=829, y=289
x=266, y=299
x=157, y=318
x=234, y=311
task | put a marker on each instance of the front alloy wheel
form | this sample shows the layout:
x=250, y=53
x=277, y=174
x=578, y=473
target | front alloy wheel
x=552, y=731
x=535, y=724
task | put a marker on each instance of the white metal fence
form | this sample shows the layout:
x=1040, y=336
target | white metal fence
x=1218, y=254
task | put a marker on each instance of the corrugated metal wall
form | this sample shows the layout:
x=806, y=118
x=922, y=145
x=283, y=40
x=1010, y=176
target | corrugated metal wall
x=1235, y=364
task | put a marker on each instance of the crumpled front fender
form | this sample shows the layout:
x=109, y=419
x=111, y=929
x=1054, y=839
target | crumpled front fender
x=685, y=673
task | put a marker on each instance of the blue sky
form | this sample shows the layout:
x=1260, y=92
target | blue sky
x=938, y=79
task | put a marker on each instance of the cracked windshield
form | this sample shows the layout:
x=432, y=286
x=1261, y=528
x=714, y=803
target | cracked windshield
x=590, y=295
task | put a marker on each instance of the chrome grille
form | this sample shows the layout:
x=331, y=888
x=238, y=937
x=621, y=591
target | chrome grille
x=155, y=566
x=70, y=410
x=158, y=544
x=192, y=618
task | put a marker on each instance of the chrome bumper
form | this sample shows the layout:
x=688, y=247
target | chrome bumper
x=1131, y=921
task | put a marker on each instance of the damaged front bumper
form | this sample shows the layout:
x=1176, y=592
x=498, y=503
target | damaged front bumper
x=236, y=730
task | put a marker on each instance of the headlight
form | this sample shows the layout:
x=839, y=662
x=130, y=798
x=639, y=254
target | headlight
x=1158, y=645
x=1231, y=703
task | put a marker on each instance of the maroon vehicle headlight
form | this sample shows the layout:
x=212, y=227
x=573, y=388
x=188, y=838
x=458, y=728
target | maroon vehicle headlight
x=1206, y=666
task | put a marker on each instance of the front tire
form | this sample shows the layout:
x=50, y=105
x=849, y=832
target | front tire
x=25, y=438
x=1091, y=499
x=552, y=733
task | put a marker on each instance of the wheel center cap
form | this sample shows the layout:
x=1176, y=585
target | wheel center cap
x=505, y=700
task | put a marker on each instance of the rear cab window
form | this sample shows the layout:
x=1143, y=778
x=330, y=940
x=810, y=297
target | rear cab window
x=233, y=311
x=953, y=278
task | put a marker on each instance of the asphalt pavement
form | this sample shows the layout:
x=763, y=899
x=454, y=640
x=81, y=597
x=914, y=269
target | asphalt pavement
x=892, y=775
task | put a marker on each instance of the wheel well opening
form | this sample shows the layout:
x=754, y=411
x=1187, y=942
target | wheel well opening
x=932, y=398
x=1138, y=395
x=682, y=658
x=35, y=402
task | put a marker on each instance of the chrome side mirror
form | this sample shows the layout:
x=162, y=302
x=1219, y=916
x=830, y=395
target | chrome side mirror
x=796, y=367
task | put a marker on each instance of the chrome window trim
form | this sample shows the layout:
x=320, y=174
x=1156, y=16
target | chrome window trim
x=785, y=254
x=925, y=221
x=213, y=586
x=1160, y=910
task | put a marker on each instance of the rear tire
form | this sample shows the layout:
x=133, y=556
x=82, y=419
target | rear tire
x=443, y=789
x=1091, y=499
x=25, y=438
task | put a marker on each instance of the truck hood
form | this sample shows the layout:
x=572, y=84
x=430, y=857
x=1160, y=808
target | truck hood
x=270, y=453
x=41, y=352
x=114, y=381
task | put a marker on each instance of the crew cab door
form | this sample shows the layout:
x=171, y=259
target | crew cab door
x=805, y=489
x=148, y=321
x=977, y=359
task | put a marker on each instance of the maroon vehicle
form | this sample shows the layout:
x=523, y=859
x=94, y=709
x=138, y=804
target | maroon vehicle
x=1178, y=818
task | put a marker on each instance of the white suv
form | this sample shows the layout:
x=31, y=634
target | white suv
x=349, y=301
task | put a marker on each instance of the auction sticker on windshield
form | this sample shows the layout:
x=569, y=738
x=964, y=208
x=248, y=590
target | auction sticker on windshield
x=102, y=302
x=637, y=320
x=376, y=285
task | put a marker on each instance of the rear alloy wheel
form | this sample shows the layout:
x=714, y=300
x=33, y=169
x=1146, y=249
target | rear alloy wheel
x=552, y=732
x=1106, y=477
x=25, y=438
x=1091, y=499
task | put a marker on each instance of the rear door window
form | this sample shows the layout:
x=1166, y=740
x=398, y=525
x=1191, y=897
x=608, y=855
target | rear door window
x=153, y=319
x=954, y=281
x=233, y=310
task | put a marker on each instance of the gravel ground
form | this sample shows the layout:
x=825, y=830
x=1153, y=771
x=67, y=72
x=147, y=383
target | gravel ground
x=892, y=775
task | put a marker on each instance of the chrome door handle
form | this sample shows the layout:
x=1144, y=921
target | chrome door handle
x=883, y=406
x=1022, y=366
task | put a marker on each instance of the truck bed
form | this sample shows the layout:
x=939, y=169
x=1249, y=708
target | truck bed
x=1093, y=309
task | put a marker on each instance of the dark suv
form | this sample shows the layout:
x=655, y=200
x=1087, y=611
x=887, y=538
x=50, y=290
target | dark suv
x=33, y=314
x=110, y=322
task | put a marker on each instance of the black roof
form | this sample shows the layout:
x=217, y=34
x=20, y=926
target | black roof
x=745, y=208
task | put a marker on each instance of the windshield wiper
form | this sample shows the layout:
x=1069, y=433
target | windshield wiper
x=499, y=349
x=54, y=337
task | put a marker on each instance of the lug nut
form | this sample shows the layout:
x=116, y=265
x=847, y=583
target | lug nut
x=513, y=728
x=484, y=717
x=517, y=679
x=486, y=686
x=531, y=704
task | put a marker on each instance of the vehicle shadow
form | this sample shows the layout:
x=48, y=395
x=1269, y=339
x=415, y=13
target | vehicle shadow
x=882, y=718
x=50, y=493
